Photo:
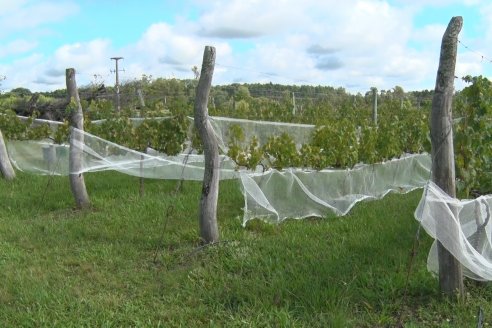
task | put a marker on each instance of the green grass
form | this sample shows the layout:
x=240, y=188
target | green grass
x=132, y=261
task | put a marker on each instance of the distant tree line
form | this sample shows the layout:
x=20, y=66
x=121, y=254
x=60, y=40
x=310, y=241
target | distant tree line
x=274, y=102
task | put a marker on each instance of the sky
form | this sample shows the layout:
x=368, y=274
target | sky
x=352, y=44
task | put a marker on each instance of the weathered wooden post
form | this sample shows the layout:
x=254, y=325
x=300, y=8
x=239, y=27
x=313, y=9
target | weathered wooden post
x=77, y=182
x=141, y=99
x=293, y=103
x=443, y=171
x=209, y=231
x=5, y=166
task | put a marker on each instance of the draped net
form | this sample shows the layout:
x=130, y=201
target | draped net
x=462, y=226
x=271, y=195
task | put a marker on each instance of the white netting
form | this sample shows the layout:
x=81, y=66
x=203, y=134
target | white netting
x=262, y=130
x=272, y=195
x=463, y=228
x=295, y=193
x=44, y=157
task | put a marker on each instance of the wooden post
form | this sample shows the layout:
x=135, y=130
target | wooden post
x=443, y=173
x=375, y=105
x=293, y=103
x=5, y=166
x=77, y=182
x=141, y=100
x=209, y=231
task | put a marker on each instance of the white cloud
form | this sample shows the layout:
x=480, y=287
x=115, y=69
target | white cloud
x=25, y=15
x=429, y=35
x=247, y=19
x=17, y=47
x=164, y=50
x=353, y=43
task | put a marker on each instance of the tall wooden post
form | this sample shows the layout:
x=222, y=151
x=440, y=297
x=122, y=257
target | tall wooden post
x=141, y=98
x=5, y=166
x=443, y=172
x=77, y=182
x=293, y=103
x=209, y=231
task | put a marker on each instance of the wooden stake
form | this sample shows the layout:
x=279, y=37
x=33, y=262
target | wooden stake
x=77, y=183
x=209, y=231
x=5, y=166
x=443, y=171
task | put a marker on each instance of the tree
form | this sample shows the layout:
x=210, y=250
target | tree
x=242, y=93
x=21, y=92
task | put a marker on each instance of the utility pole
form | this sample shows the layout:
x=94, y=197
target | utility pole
x=117, y=84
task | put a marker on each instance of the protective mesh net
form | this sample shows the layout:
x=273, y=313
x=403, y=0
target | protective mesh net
x=461, y=226
x=44, y=157
x=262, y=130
x=272, y=195
x=295, y=193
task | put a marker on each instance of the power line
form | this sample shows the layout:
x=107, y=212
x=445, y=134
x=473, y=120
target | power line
x=484, y=57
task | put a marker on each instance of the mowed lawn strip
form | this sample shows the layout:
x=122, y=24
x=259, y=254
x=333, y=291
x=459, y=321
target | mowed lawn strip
x=137, y=261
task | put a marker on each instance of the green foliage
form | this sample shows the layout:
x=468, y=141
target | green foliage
x=242, y=108
x=368, y=151
x=236, y=139
x=196, y=141
x=62, y=133
x=281, y=152
x=312, y=157
x=166, y=135
x=343, y=136
x=389, y=143
x=337, y=142
x=15, y=128
x=118, y=129
x=473, y=136
x=100, y=109
x=250, y=156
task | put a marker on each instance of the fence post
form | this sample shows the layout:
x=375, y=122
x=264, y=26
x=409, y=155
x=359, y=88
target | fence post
x=293, y=103
x=77, y=183
x=443, y=170
x=5, y=166
x=141, y=99
x=209, y=231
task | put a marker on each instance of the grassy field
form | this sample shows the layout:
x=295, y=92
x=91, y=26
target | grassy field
x=132, y=261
